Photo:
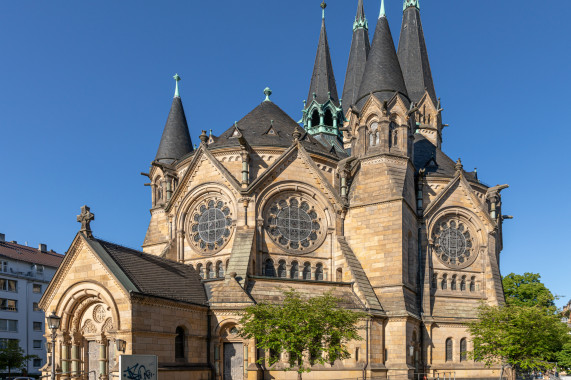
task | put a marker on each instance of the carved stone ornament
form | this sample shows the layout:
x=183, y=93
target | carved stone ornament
x=454, y=243
x=89, y=327
x=210, y=225
x=99, y=313
x=294, y=224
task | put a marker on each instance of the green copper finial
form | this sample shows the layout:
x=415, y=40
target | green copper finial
x=177, y=79
x=411, y=3
x=267, y=92
x=323, y=6
x=382, y=14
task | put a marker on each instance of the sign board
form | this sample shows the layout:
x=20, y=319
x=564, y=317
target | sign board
x=138, y=367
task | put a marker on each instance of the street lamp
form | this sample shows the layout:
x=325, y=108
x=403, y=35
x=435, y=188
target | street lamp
x=53, y=324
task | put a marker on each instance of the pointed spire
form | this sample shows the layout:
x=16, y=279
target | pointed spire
x=177, y=79
x=360, y=47
x=383, y=13
x=413, y=54
x=383, y=75
x=175, y=142
x=323, y=79
x=411, y=3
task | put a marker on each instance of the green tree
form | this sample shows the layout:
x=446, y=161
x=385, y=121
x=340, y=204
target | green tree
x=527, y=290
x=564, y=357
x=522, y=336
x=315, y=327
x=12, y=356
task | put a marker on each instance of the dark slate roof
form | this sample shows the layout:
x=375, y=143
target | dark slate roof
x=29, y=254
x=158, y=277
x=413, y=57
x=176, y=141
x=323, y=79
x=270, y=291
x=255, y=126
x=433, y=160
x=330, y=141
x=383, y=75
x=360, y=47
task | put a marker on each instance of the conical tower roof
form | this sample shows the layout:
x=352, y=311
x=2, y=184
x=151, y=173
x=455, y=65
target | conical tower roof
x=413, y=54
x=360, y=47
x=175, y=142
x=383, y=76
x=323, y=82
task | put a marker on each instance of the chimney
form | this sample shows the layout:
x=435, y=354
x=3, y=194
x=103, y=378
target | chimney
x=14, y=242
x=2, y=238
x=43, y=248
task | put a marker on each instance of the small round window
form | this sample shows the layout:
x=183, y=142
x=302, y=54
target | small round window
x=454, y=244
x=211, y=225
x=293, y=224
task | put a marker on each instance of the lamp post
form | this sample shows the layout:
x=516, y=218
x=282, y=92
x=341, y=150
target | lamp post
x=53, y=324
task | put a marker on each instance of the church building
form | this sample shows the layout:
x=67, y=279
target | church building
x=357, y=198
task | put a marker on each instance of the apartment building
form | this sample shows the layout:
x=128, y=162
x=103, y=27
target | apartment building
x=25, y=273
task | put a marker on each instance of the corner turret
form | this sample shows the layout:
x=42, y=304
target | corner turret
x=175, y=142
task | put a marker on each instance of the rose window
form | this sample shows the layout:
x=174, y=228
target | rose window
x=211, y=225
x=454, y=244
x=294, y=224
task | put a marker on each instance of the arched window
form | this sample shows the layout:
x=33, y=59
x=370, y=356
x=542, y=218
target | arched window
x=294, y=271
x=319, y=272
x=199, y=270
x=463, y=284
x=435, y=280
x=374, y=136
x=339, y=275
x=179, y=343
x=219, y=270
x=209, y=271
x=463, y=350
x=307, y=271
x=328, y=120
x=444, y=284
x=453, y=283
x=449, y=349
x=315, y=120
x=270, y=270
x=473, y=284
x=282, y=271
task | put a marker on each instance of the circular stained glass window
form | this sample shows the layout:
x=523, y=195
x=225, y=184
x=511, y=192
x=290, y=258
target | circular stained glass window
x=293, y=224
x=211, y=225
x=454, y=244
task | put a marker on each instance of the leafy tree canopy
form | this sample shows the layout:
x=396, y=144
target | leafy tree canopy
x=522, y=336
x=314, y=328
x=12, y=356
x=564, y=357
x=527, y=290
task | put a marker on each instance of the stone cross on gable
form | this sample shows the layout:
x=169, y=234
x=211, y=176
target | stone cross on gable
x=85, y=219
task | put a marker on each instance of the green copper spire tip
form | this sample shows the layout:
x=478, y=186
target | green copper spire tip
x=267, y=92
x=382, y=14
x=177, y=79
x=411, y=3
x=323, y=6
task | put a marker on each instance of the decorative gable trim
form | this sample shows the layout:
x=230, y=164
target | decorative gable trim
x=460, y=179
x=200, y=154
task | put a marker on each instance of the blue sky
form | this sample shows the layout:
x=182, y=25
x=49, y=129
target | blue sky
x=85, y=89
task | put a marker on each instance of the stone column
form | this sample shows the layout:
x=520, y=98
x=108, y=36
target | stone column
x=65, y=345
x=103, y=358
x=75, y=360
x=180, y=245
